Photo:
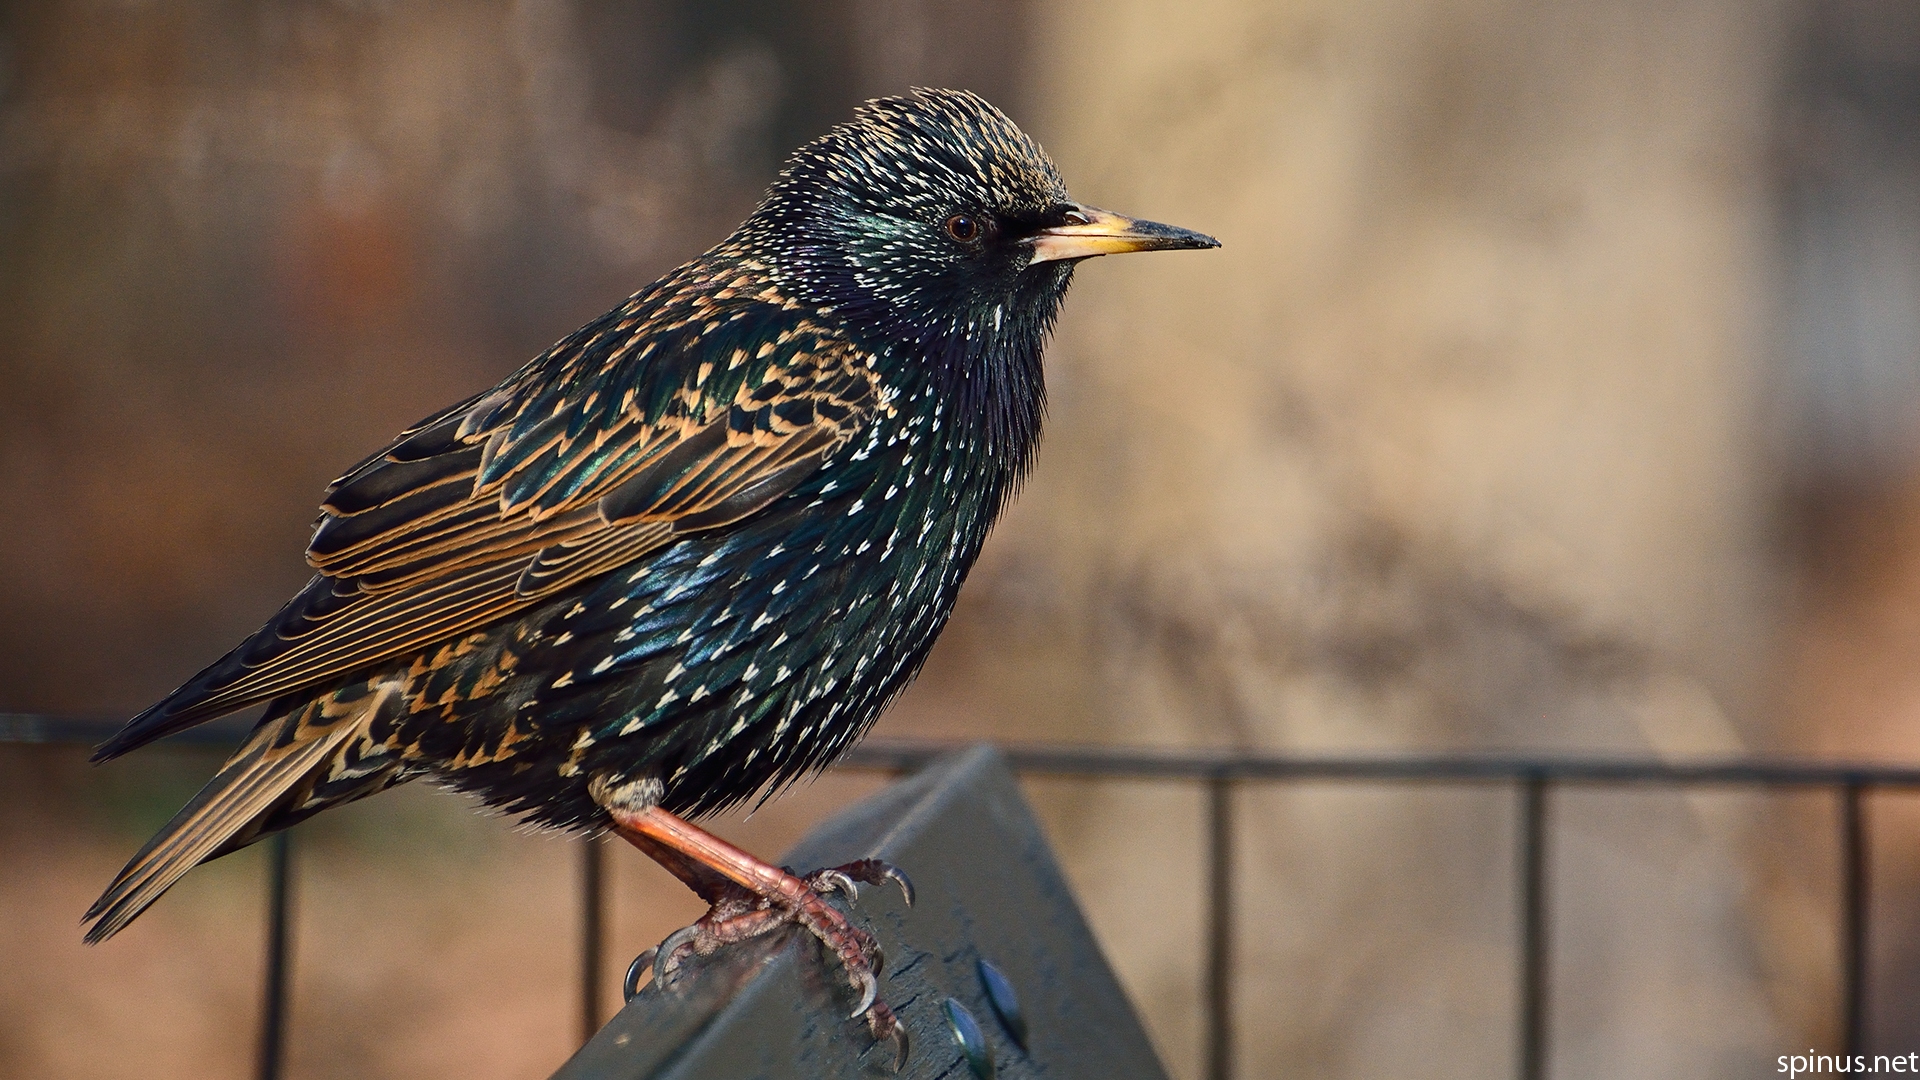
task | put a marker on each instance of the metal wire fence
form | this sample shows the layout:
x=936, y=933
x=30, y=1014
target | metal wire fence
x=1220, y=774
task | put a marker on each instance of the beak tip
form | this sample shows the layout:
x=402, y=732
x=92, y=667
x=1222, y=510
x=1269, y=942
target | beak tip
x=1102, y=232
x=1170, y=237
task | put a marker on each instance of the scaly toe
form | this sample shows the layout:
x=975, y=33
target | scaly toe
x=874, y=872
x=836, y=881
x=887, y=1027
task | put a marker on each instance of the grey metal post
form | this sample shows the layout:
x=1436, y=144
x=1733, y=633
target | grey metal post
x=1533, y=927
x=1219, y=974
x=592, y=932
x=273, y=1011
x=1853, y=916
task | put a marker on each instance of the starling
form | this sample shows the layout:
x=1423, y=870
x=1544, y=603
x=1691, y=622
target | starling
x=689, y=553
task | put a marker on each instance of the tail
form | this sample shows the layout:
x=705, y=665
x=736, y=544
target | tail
x=290, y=767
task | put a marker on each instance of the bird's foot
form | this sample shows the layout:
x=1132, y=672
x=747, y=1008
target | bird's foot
x=747, y=897
x=739, y=913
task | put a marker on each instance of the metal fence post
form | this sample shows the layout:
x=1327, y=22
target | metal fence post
x=1219, y=974
x=273, y=1011
x=592, y=932
x=1533, y=926
x=1853, y=915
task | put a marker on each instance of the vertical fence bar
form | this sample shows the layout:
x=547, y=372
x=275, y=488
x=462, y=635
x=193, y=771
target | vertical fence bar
x=592, y=932
x=273, y=1006
x=1533, y=926
x=1853, y=915
x=1219, y=974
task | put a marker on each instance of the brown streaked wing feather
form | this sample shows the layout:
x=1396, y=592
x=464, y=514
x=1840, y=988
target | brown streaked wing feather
x=420, y=550
x=388, y=625
x=390, y=534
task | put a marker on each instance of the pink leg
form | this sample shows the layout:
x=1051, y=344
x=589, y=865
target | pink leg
x=749, y=897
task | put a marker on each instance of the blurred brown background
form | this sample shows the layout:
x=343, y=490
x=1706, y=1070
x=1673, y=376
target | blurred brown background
x=1558, y=388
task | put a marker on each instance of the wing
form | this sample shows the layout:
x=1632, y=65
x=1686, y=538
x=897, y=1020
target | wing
x=658, y=420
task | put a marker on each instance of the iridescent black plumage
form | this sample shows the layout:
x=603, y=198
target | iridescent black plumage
x=699, y=543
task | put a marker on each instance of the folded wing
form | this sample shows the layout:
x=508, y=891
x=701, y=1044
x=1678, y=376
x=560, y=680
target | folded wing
x=656, y=421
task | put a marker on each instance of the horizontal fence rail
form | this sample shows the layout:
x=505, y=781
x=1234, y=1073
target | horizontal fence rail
x=1533, y=779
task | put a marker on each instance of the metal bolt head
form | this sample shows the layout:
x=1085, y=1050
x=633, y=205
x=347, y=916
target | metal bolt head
x=973, y=1041
x=1006, y=1004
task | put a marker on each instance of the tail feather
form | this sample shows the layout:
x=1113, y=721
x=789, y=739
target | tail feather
x=280, y=762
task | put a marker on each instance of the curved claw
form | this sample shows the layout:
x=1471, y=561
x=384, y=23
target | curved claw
x=869, y=992
x=899, y=877
x=630, y=985
x=838, y=882
x=900, y=1044
x=663, y=953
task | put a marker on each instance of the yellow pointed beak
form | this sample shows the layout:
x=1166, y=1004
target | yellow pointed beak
x=1089, y=232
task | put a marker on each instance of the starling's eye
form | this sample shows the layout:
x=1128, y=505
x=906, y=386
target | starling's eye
x=964, y=228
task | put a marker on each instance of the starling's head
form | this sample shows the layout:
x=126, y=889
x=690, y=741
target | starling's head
x=932, y=221
x=936, y=212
